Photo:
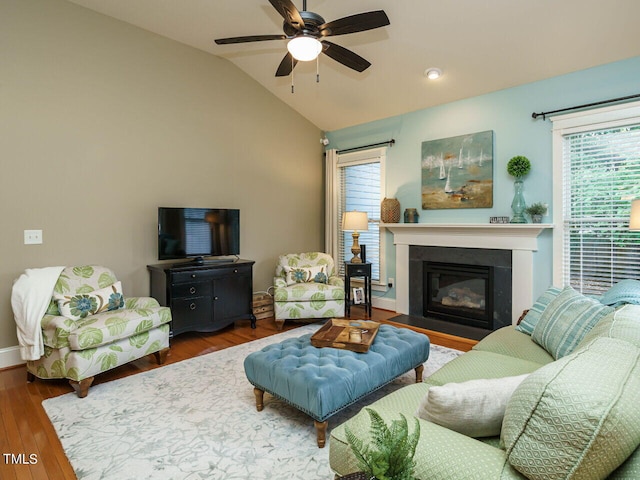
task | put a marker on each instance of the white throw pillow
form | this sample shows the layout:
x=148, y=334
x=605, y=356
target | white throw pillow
x=315, y=274
x=474, y=408
x=82, y=305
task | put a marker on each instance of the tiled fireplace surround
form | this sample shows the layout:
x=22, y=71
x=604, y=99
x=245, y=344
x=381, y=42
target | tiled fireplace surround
x=477, y=242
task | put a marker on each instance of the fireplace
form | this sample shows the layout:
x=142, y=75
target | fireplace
x=459, y=293
x=518, y=243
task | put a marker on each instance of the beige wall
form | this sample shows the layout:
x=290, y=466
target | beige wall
x=102, y=122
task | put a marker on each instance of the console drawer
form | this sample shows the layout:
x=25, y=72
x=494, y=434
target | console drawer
x=359, y=271
x=192, y=289
x=186, y=277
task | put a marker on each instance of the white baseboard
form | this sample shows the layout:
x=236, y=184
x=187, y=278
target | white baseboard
x=384, y=303
x=10, y=357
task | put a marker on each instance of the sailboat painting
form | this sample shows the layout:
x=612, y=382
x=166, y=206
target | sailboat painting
x=457, y=172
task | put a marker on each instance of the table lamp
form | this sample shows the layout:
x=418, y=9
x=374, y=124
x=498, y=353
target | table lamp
x=634, y=218
x=355, y=221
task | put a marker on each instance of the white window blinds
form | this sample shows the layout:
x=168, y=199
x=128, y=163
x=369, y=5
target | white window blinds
x=359, y=180
x=601, y=175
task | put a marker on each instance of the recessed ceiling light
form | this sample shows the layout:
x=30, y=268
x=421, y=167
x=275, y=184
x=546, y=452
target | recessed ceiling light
x=433, y=73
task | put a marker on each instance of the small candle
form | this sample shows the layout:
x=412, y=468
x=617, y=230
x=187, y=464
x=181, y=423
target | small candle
x=355, y=335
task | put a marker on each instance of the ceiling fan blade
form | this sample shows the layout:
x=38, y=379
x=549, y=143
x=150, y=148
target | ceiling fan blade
x=250, y=38
x=345, y=56
x=289, y=12
x=286, y=65
x=355, y=23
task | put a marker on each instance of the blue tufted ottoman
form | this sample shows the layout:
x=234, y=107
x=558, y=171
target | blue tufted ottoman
x=323, y=381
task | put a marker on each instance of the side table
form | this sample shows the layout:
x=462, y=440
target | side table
x=357, y=270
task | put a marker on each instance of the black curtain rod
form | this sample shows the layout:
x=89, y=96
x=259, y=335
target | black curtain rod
x=388, y=142
x=613, y=100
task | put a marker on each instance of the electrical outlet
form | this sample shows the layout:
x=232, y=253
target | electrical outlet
x=32, y=237
x=390, y=282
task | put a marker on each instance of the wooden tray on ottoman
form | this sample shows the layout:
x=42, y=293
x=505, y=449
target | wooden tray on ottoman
x=336, y=334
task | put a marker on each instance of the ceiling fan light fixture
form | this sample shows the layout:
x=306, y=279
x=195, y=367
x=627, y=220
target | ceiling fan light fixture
x=304, y=48
x=433, y=73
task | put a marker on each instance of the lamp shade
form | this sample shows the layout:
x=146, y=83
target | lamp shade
x=356, y=221
x=634, y=218
x=304, y=48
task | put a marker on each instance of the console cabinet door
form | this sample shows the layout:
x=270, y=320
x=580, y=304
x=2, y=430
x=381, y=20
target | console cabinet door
x=232, y=296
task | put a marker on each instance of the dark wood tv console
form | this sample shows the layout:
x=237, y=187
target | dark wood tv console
x=204, y=297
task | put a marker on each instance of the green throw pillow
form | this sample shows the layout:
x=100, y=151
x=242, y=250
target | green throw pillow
x=566, y=320
x=623, y=292
x=623, y=324
x=532, y=317
x=578, y=417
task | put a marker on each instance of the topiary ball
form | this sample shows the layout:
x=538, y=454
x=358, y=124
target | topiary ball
x=518, y=166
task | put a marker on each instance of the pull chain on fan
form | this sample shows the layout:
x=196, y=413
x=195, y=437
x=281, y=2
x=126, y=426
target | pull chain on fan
x=317, y=73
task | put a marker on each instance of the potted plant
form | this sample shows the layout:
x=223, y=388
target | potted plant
x=518, y=167
x=390, y=454
x=536, y=211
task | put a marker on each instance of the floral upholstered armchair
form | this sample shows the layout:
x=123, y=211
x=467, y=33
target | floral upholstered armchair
x=307, y=286
x=90, y=328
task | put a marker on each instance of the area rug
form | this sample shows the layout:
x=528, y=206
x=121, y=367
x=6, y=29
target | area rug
x=197, y=419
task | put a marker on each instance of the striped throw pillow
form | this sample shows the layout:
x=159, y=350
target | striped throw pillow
x=566, y=320
x=532, y=317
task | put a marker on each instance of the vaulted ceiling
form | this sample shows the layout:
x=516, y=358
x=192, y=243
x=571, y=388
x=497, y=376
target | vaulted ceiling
x=481, y=45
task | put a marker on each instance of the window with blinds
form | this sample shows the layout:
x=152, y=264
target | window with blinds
x=360, y=189
x=601, y=175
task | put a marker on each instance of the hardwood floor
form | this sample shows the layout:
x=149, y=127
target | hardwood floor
x=28, y=443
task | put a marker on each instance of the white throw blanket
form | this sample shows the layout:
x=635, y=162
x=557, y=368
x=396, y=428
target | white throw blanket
x=30, y=299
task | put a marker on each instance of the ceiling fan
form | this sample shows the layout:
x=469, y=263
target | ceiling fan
x=307, y=32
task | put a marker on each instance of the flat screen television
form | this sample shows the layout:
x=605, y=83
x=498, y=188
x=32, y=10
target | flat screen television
x=197, y=233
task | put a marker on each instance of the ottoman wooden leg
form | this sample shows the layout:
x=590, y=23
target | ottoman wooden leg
x=321, y=432
x=259, y=398
x=419, y=369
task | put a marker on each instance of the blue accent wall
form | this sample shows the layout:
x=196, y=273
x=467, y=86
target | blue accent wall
x=508, y=114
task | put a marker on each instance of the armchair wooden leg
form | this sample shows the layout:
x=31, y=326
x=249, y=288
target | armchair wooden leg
x=81, y=387
x=161, y=355
x=30, y=377
x=279, y=324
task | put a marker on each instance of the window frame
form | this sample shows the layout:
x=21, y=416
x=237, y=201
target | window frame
x=357, y=158
x=579, y=122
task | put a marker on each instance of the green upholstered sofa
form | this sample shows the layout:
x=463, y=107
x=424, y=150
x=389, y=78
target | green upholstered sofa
x=576, y=417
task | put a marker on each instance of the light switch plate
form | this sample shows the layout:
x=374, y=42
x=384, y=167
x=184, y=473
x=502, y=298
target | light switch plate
x=32, y=237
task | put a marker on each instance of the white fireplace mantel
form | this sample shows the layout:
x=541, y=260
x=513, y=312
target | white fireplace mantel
x=521, y=239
